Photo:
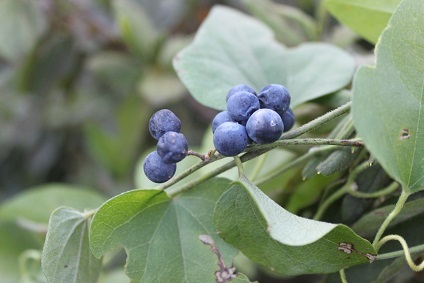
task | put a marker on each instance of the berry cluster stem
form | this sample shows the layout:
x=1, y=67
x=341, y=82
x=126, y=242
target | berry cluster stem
x=257, y=150
x=317, y=122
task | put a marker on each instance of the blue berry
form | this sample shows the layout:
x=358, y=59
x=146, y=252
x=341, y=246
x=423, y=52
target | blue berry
x=163, y=121
x=220, y=118
x=240, y=87
x=288, y=119
x=172, y=147
x=275, y=97
x=157, y=170
x=230, y=138
x=264, y=126
x=241, y=105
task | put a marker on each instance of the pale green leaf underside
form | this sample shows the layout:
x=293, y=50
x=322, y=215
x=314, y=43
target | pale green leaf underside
x=281, y=241
x=161, y=235
x=48, y=197
x=21, y=23
x=66, y=253
x=367, y=18
x=231, y=48
x=388, y=98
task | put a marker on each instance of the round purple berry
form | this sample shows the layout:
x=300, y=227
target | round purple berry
x=163, y=121
x=240, y=87
x=172, y=147
x=220, y=118
x=230, y=139
x=157, y=170
x=275, y=97
x=241, y=105
x=264, y=126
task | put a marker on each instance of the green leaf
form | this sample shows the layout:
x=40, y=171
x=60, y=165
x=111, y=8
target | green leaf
x=66, y=253
x=160, y=88
x=291, y=25
x=307, y=193
x=48, y=198
x=13, y=242
x=116, y=149
x=369, y=223
x=136, y=29
x=117, y=70
x=381, y=271
x=21, y=24
x=367, y=18
x=246, y=52
x=337, y=161
x=388, y=98
x=157, y=231
x=281, y=241
x=141, y=180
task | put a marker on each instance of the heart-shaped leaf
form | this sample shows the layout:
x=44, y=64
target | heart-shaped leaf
x=288, y=244
x=245, y=51
x=161, y=235
x=388, y=99
x=66, y=253
x=367, y=18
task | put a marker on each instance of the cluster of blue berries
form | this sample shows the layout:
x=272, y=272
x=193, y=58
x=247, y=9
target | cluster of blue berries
x=160, y=165
x=260, y=118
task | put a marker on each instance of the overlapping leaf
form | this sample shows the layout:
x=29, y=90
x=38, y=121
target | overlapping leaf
x=284, y=242
x=388, y=99
x=245, y=51
x=161, y=235
x=367, y=18
x=66, y=253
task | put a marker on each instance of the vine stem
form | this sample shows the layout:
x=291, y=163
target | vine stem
x=387, y=190
x=307, y=141
x=317, y=122
x=343, y=276
x=258, y=167
x=415, y=249
x=311, y=153
x=405, y=248
x=398, y=207
x=239, y=164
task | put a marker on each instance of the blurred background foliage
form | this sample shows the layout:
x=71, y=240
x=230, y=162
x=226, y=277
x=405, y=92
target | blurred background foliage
x=79, y=80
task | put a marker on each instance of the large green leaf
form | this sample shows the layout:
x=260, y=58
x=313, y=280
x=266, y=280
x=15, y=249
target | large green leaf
x=245, y=51
x=161, y=235
x=281, y=241
x=367, y=18
x=21, y=23
x=388, y=98
x=66, y=253
x=48, y=198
